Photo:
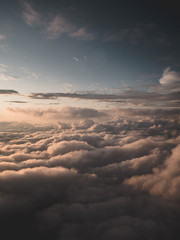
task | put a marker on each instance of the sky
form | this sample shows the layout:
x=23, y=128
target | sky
x=111, y=52
x=89, y=119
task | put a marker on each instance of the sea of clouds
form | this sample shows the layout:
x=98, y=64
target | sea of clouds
x=93, y=178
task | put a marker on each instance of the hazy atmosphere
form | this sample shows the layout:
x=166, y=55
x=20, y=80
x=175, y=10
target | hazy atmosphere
x=89, y=120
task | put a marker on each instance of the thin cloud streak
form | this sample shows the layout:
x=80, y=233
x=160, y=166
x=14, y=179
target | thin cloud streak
x=165, y=94
x=140, y=98
x=8, y=91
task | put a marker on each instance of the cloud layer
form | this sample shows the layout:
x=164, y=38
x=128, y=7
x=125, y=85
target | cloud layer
x=90, y=179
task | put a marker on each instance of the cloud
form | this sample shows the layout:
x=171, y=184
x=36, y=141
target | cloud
x=30, y=15
x=66, y=147
x=73, y=95
x=60, y=25
x=91, y=179
x=127, y=97
x=164, y=180
x=56, y=25
x=61, y=113
x=75, y=59
x=170, y=77
x=15, y=101
x=8, y=91
x=82, y=34
x=8, y=77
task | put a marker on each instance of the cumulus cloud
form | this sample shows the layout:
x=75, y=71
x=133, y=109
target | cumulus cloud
x=169, y=77
x=91, y=179
x=165, y=180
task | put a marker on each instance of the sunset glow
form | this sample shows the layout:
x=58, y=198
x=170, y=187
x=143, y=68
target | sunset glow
x=89, y=120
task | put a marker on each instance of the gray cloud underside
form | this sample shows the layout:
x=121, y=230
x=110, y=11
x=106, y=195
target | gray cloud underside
x=8, y=91
x=116, y=179
x=134, y=97
x=16, y=101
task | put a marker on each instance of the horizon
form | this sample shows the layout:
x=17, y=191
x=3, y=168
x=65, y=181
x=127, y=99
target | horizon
x=89, y=119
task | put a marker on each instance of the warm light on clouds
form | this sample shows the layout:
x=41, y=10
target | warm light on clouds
x=89, y=120
x=170, y=77
x=92, y=173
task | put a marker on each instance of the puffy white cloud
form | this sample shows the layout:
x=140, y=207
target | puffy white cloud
x=170, y=77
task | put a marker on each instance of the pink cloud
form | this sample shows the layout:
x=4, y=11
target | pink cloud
x=30, y=15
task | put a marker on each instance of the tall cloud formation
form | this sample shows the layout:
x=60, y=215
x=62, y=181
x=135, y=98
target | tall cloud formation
x=89, y=179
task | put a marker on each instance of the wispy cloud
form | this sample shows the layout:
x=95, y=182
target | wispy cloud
x=61, y=25
x=126, y=98
x=8, y=77
x=75, y=59
x=58, y=113
x=166, y=93
x=30, y=15
x=56, y=26
x=15, y=101
x=83, y=34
